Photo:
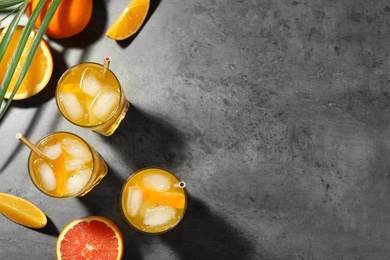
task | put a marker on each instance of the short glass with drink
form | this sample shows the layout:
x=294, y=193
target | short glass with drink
x=153, y=200
x=67, y=166
x=89, y=95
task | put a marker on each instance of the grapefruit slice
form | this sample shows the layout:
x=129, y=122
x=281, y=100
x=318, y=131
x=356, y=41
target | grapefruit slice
x=129, y=21
x=22, y=211
x=92, y=237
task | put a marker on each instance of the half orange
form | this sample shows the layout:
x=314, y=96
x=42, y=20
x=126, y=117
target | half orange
x=92, y=237
x=40, y=70
x=129, y=21
x=22, y=211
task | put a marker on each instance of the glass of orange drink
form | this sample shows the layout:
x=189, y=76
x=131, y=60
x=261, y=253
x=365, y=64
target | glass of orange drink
x=68, y=167
x=89, y=95
x=153, y=200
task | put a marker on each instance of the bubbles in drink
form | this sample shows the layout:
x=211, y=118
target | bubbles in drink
x=76, y=149
x=156, y=181
x=46, y=175
x=52, y=151
x=134, y=200
x=72, y=106
x=159, y=215
x=90, y=84
x=105, y=103
x=79, y=179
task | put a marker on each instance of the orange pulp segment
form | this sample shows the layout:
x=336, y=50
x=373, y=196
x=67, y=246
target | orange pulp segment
x=171, y=199
x=92, y=237
x=22, y=211
x=40, y=70
x=129, y=21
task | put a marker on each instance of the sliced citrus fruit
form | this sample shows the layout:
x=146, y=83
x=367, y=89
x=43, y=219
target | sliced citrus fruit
x=22, y=211
x=171, y=199
x=129, y=21
x=92, y=237
x=40, y=70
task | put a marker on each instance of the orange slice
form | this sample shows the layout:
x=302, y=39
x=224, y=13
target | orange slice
x=40, y=70
x=129, y=21
x=22, y=211
x=92, y=237
x=171, y=199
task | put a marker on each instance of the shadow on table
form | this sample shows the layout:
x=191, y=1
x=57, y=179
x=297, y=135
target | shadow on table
x=203, y=234
x=145, y=140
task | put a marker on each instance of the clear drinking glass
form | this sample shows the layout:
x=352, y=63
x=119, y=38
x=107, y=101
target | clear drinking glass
x=70, y=166
x=153, y=200
x=89, y=95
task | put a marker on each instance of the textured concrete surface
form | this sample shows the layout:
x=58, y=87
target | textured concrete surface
x=275, y=113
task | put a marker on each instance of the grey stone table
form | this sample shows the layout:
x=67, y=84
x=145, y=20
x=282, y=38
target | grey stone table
x=276, y=113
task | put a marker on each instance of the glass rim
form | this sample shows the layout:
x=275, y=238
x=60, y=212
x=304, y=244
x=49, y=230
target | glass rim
x=121, y=95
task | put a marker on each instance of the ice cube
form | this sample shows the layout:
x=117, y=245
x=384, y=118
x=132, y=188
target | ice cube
x=156, y=181
x=76, y=149
x=105, y=104
x=73, y=164
x=78, y=180
x=52, y=151
x=90, y=84
x=134, y=200
x=72, y=106
x=159, y=215
x=47, y=177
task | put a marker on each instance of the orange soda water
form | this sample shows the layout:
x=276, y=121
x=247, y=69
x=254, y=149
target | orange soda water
x=153, y=200
x=71, y=167
x=90, y=96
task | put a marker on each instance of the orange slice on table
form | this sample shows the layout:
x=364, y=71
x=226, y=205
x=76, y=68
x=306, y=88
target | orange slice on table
x=40, y=70
x=171, y=199
x=22, y=211
x=92, y=237
x=129, y=21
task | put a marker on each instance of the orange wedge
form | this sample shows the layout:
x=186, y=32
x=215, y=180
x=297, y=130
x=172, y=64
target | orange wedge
x=171, y=199
x=22, y=211
x=129, y=21
x=39, y=73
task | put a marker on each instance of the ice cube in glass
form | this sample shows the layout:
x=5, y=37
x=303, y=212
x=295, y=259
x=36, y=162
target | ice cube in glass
x=72, y=106
x=46, y=175
x=79, y=179
x=90, y=84
x=76, y=149
x=156, y=182
x=159, y=215
x=105, y=103
x=134, y=200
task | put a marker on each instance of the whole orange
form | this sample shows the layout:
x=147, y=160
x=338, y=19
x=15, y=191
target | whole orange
x=71, y=17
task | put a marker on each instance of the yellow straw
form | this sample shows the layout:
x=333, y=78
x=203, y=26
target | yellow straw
x=30, y=145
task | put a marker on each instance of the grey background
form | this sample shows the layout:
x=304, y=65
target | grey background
x=275, y=113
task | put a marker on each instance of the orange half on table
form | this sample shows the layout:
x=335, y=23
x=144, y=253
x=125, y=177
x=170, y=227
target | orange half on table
x=40, y=70
x=129, y=21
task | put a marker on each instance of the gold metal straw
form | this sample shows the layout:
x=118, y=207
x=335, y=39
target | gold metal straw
x=30, y=145
x=106, y=64
x=181, y=184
